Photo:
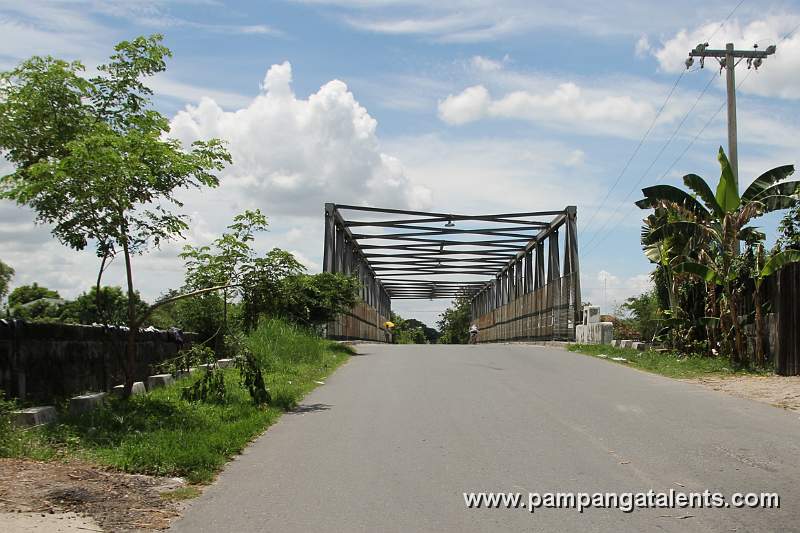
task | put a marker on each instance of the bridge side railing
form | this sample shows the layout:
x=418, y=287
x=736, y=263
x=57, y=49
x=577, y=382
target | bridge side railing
x=343, y=255
x=532, y=298
x=536, y=316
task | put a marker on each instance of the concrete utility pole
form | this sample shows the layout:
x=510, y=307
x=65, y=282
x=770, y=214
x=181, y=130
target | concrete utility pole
x=727, y=60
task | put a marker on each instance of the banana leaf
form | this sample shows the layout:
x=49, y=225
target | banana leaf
x=766, y=180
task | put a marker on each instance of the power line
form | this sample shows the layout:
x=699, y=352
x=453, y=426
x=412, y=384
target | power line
x=721, y=24
x=685, y=150
x=636, y=150
x=699, y=133
x=789, y=34
x=650, y=167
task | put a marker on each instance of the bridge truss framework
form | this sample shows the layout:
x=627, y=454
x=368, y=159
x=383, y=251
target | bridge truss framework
x=508, y=265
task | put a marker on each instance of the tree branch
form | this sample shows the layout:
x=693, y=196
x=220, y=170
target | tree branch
x=158, y=304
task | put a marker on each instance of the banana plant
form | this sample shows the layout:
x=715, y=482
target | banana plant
x=717, y=222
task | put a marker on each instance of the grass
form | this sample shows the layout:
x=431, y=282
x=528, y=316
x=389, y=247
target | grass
x=161, y=434
x=668, y=364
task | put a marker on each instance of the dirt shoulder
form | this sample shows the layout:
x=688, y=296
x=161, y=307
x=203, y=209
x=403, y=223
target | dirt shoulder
x=780, y=391
x=55, y=496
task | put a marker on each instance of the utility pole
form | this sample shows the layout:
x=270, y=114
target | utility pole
x=728, y=60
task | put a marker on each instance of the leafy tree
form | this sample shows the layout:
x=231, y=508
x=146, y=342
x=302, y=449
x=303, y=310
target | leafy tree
x=317, y=299
x=41, y=310
x=110, y=306
x=263, y=293
x=717, y=225
x=412, y=331
x=789, y=230
x=455, y=321
x=35, y=303
x=28, y=293
x=643, y=314
x=201, y=314
x=93, y=160
x=223, y=263
x=6, y=273
x=430, y=335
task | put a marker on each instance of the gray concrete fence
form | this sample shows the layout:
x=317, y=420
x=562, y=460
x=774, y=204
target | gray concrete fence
x=42, y=362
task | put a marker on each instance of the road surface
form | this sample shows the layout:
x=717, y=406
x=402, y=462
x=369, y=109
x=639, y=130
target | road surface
x=396, y=436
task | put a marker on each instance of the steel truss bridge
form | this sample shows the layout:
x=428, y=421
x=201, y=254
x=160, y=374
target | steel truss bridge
x=508, y=265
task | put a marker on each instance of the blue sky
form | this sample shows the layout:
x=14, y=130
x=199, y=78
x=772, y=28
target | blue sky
x=456, y=105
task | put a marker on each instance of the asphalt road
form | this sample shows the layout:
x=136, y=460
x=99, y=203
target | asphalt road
x=399, y=433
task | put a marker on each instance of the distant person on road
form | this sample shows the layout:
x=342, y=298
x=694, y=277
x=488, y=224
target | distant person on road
x=388, y=325
x=473, y=334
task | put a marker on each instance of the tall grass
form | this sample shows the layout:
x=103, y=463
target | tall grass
x=292, y=358
x=277, y=343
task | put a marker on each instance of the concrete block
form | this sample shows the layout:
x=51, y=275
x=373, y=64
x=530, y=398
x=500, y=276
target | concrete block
x=138, y=388
x=591, y=314
x=158, y=381
x=225, y=363
x=185, y=373
x=595, y=333
x=34, y=416
x=86, y=402
x=626, y=343
x=641, y=346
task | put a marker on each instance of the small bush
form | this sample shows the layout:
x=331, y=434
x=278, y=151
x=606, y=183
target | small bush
x=211, y=385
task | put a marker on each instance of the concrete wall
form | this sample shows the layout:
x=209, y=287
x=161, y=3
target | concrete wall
x=42, y=362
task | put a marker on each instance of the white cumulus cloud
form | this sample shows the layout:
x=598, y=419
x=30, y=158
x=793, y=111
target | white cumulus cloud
x=469, y=105
x=566, y=105
x=292, y=154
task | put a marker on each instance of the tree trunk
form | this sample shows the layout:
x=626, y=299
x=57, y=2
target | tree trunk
x=759, y=327
x=711, y=329
x=97, y=298
x=133, y=325
x=734, y=316
x=224, y=320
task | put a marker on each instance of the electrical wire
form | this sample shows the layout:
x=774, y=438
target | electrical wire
x=685, y=150
x=636, y=150
x=652, y=164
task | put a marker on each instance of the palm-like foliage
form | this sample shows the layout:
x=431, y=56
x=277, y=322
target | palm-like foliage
x=700, y=233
